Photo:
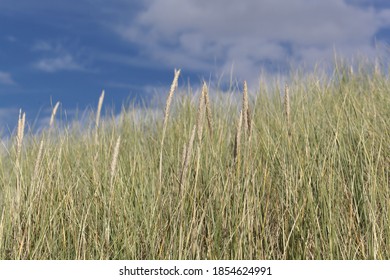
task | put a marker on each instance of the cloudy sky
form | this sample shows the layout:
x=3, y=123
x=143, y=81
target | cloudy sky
x=68, y=51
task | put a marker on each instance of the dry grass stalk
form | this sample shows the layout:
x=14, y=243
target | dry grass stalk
x=19, y=137
x=183, y=159
x=188, y=153
x=115, y=159
x=287, y=108
x=21, y=124
x=17, y=197
x=53, y=114
x=166, y=116
x=237, y=146
x=208, y=112
x=250, y=125
x=247, y=119
x=2, y=229
x=201, y=111
x=107, y=232
x=245, y=108
x=169, y=99
x=38, y=161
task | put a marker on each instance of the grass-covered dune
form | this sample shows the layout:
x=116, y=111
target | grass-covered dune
x=301, y=172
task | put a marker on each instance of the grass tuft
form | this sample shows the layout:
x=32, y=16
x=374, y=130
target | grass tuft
x=139, y=188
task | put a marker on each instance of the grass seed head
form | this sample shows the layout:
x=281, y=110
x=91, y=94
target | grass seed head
x=21, y=124
x=115, y=158
x=208, y=112
x=201, y=112
x=247, y=120
x=53, y=114
x=169, y=98
x=245, y=108
x=166, y=116
x=99, y=109
x=287, y=105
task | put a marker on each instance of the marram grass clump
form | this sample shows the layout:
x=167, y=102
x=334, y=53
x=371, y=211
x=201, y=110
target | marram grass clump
x=298, y=173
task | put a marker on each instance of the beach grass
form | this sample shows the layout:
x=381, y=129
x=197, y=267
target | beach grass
x=295, y=172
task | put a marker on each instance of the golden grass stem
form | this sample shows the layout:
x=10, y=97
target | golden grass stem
x=208, y=112
x=21, y=124
x=20, y=134
x=245, y=109
x=38, y=161
x=184, y=156
x=188, y=153
x=166, y=116
x=201, y=112
x=287, y=108
x=200, y=120
x=115, y=160
x=2, y=230
x=237, y=146
x=16, y=204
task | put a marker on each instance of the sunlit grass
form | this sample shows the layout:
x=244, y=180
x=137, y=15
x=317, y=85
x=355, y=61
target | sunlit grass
x=304, y=180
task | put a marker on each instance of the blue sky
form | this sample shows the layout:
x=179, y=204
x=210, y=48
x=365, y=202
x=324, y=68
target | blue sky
x=68, y=51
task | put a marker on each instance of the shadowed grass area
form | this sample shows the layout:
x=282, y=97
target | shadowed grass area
x=303, y=179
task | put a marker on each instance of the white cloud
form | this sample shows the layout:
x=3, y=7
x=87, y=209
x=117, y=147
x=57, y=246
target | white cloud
x=55, y=57
x=65, y=62
x=6, y=79
x=43, y=46
x=199, y=34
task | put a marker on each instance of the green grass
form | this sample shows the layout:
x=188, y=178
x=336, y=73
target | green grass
x=318, y=189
